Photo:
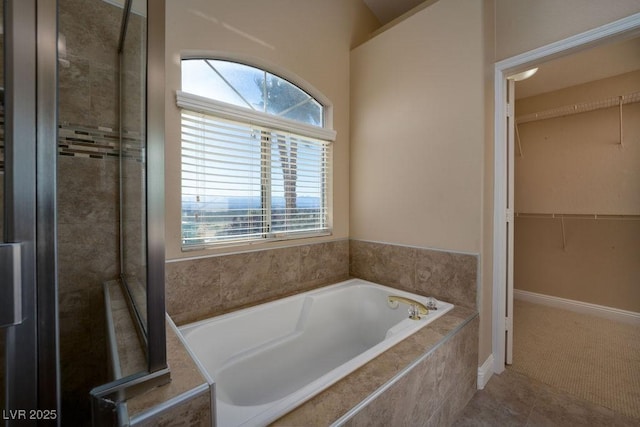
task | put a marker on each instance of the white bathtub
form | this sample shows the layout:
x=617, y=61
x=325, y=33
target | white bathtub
x=268, y=359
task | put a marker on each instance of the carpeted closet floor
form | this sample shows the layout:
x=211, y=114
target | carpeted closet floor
x=568, y=369
x=590, y=357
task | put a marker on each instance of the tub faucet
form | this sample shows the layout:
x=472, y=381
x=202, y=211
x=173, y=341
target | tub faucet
x=415, y=308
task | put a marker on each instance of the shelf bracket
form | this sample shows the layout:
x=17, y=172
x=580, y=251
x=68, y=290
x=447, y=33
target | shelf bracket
x=621, y=99
x=519, y=143
x=564, y=239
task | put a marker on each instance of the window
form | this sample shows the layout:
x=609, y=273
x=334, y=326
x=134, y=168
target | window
x=256, y=159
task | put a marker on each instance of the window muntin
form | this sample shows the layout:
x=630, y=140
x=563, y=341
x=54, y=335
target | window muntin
x=251, y=88
x=245, y=179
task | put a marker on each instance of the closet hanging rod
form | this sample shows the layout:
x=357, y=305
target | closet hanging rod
x=582, y=107
x=578, y=216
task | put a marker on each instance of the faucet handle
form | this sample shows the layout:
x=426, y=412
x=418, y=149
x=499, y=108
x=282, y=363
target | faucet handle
x=432, y=303
x=414, y=312
x=415, y=308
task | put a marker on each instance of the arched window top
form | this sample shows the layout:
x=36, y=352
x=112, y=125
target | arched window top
x=251, y=88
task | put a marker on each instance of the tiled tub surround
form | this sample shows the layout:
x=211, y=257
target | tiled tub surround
x=298, y=346
x=425, y=380
x=449, y=276
x=205, y=287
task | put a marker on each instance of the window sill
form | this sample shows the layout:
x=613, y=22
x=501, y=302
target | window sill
x=250, y=245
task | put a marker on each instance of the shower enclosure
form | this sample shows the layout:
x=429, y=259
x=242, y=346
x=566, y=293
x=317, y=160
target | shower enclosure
x=56, y=248
x=141, y=107
x=28, y=284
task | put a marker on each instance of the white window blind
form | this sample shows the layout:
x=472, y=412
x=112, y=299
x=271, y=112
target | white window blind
x=244, y=182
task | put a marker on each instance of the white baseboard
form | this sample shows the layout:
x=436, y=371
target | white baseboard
x=579, y=306
x=485, y=371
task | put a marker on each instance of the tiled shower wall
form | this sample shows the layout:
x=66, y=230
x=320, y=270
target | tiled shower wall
x=87, y=194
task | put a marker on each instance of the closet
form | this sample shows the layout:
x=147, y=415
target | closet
x=577, y=193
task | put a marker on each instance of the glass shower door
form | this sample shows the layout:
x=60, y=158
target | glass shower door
x=28, y=285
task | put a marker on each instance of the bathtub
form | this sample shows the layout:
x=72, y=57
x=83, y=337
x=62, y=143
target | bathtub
x=268, y=359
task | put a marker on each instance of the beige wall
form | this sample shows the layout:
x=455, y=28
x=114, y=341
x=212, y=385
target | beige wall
x=417, y=138
x=576, y=165
x=520, y=25
x=422, y=137
x=600, y=264
x=309, y=40
x=523, y=25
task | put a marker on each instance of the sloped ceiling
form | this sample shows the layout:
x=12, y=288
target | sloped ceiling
x=586, y=66
x=582, y=67
x=388, y=10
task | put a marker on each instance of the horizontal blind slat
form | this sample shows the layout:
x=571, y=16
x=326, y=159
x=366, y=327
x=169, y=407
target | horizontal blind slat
x=229, y=169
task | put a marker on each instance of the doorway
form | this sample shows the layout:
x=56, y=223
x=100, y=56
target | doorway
x=503, y=156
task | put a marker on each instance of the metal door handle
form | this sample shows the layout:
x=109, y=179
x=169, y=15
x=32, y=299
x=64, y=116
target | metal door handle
x=10, y=285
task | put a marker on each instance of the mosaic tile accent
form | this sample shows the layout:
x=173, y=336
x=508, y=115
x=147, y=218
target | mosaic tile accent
x=82, y=141
x=97, y=143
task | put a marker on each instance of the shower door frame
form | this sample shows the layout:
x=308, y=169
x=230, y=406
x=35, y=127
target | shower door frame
x=32, y=372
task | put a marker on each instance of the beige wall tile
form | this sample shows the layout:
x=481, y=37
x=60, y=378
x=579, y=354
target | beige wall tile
x=449, y=276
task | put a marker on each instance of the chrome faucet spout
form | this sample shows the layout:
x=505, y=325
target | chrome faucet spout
x=416, y=308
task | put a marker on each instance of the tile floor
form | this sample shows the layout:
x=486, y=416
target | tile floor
x=513, y=399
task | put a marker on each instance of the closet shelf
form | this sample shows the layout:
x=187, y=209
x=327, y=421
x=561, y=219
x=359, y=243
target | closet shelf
x=578, y=216
x=583, y=107
x=562, y=217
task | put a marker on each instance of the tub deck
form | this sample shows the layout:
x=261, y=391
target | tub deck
x=446, y=388
x=292, y=363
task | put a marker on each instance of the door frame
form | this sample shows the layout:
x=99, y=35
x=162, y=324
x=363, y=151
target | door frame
x=622, y=29
x=32, y=356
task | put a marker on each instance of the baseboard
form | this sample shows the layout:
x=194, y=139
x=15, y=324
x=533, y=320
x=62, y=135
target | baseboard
x=579, y=306
x=485, y=371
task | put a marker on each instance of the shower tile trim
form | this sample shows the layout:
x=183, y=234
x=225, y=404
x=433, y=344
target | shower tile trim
x=97, y=142
x=89, y=142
